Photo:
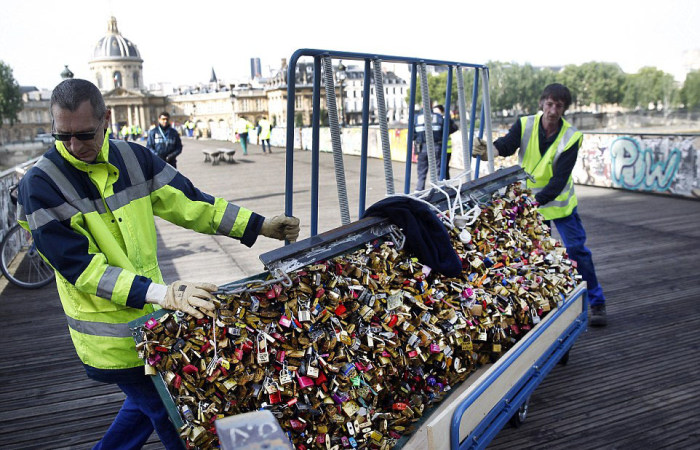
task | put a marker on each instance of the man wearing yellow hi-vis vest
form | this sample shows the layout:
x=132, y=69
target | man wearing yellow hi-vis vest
x=90, y=204
x=548, y=150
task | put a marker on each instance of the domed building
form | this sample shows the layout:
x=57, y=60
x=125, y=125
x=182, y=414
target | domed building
x=116, y=62
x=117, y=70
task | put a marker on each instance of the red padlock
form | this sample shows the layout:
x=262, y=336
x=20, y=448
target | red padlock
x=275, y=398
x=321, y=378
x=297, y=425
x=190, y=369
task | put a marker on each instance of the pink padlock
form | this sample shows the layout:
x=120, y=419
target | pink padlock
x=285, y=321
x=304, y=382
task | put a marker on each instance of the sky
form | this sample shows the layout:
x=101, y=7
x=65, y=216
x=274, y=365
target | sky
x=181, y=41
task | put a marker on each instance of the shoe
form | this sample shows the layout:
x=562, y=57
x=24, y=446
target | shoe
x=598, y=318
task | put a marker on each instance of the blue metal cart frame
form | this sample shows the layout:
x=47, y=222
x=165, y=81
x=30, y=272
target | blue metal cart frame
x=477, y=410
x=490, y=397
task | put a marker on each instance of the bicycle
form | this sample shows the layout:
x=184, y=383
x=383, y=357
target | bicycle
x=20, y=260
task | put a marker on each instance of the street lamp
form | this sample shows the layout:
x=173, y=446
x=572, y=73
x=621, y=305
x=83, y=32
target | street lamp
x=341, y=75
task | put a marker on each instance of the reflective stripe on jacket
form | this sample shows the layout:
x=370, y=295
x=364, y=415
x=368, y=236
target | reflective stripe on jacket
x=436, y=122
x=541, y=167
x=94, y=223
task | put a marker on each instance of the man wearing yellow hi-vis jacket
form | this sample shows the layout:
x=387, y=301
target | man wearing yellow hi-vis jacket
x=90, y=204
x=548, y=149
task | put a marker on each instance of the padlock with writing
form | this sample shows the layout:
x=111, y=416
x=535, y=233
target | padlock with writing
x=262, y=354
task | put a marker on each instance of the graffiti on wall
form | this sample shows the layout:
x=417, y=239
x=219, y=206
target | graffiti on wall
x=661, y=164
x=668, y=164
x=644, y=169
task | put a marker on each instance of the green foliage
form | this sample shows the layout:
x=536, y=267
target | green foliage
x=10, y=96
x=437, y=87
x=594, y=82
x=515, y=89
x=649, y=86
x=690, y=92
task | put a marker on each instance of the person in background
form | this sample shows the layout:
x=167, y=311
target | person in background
x=124, y=132
x=264, y=132
x=242, y=129
x=164, y=140
x=421, y=146
x=453, y=128
x=90, y=204
x=548, y=150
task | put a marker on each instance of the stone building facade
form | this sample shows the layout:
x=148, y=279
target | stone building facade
x=116, y=68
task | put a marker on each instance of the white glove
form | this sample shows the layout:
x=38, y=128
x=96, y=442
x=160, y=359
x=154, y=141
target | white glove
x=281, y=227
x=481, y=149
x=186, y=296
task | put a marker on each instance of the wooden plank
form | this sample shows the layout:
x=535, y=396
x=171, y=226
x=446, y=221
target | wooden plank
x=630, y=385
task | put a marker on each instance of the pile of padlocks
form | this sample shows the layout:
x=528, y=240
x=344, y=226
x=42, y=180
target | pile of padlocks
x=351, y=351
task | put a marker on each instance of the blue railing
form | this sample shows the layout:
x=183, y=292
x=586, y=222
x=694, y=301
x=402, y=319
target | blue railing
x=315, y=119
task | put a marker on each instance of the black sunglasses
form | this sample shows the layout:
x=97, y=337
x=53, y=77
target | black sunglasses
x=66, y=137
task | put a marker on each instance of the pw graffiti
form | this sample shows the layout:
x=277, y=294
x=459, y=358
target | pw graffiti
x=668, y=164
x=640, y=169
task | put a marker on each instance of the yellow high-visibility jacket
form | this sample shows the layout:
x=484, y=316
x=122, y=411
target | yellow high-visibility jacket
x=94, y=223
x=541, y=167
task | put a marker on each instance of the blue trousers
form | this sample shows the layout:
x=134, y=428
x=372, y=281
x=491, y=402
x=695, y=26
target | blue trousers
x=266, y=141
x=142, y=412
x=572, y=233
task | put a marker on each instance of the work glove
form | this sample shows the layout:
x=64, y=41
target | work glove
x=481, y=149
x=281, y=227
x=187, y=296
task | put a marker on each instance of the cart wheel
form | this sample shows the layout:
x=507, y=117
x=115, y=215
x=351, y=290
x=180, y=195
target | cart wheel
x=565, y=358
x=520, y=415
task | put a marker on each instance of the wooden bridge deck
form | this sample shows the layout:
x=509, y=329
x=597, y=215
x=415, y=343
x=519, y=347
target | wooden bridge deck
x=631, y=385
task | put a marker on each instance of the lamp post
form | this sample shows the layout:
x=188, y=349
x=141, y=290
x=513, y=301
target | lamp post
x=341, y=76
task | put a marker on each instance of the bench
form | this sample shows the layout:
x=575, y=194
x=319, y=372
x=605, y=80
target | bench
x=212, y=155
x=229, y=154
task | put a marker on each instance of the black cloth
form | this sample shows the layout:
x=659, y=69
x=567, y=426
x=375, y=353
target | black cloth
x=509, y=144
x=426, y=236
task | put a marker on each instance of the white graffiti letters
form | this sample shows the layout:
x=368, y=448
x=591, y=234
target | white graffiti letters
x=637, y=169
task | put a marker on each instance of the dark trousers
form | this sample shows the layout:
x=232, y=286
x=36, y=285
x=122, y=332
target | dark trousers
x=422, y=164
x=574, y=236
x=266, y=141
x=142, y=412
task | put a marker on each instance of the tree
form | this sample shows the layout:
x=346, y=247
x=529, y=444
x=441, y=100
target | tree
x=10, y=96
x=437, y=87
x=650, y=86
x=515, y=88
x=690, y=92
x=594, y=82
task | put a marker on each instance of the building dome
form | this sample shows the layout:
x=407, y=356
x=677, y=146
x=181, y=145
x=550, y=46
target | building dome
x=114, y=45
x=116, y=62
